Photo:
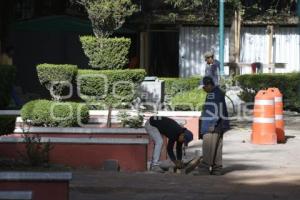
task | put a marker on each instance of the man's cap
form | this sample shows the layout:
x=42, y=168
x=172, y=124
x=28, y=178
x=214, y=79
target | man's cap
x=207, y=80
x=208, y=54
x=188, y=136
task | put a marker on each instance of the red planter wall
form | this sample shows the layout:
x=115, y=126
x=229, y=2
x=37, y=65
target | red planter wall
x=41, y=190
x=131, y=157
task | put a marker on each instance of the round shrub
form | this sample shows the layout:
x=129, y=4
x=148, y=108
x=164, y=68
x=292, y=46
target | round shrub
x=55, y=114
x=56, y=76
x=192, y=100
x=288, y=84
x=7, y=124
x=7, y=77
x=175, y=85
x=109, y=86
x=106, y=53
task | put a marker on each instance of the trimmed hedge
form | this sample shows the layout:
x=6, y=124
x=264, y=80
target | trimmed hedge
x=93, y=87
x=176, y=85
x=50, y=73
x=54, y=114
x=7, y=78
x=192, y=100
x=106, y=53
x=7, y=124
x=288, y=84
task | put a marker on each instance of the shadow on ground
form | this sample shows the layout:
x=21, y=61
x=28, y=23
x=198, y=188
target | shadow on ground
x=142, y=186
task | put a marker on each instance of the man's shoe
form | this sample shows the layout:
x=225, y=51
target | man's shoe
x=156, y=168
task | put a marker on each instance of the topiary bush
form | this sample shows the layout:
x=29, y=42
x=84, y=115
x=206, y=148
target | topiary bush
x=55, y=114
x=176, y=85
x=56, y=76
x=288, y=84
x=7, y=124
x=109, y=87
x=7, y=78
x=106, y=53
x=192, y=100
x=107, y=16
x=135, y=121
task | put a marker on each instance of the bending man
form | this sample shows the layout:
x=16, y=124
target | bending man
x=175, y=133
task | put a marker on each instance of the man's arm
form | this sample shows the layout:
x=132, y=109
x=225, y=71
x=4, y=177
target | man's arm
x=170, y=151
x=179, y=151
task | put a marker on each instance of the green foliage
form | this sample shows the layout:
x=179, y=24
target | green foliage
x=185, y=4
x=207, y=10
x=226, y=82
x=56, y=76
x=7, y=77
x=106, y=15
x=7, y=124
x=109, y=87
x=288, y=84
x=192, y=100
x=176, y=85
x=131, y=121
x=54, y=114
x=37, y=153
x=203, y=7
x=106, y=53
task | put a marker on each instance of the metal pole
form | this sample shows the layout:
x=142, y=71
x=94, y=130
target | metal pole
x=221, y=36
x=298, y=10
x=298, y=13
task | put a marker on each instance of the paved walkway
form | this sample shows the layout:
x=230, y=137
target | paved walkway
x=251, y=172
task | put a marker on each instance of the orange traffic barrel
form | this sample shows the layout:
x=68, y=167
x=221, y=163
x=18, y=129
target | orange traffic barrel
x=263, y=128
x=279, y=123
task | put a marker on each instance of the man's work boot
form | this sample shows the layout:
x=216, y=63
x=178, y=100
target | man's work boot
x=217, y=170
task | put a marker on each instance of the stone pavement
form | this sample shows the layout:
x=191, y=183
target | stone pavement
x=259, y=172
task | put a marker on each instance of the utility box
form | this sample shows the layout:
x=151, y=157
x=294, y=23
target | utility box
x=152, y=90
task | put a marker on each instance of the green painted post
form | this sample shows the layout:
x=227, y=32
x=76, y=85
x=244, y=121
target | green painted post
x=221, y=36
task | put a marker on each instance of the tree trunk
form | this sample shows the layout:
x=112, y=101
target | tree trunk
x=109, y=117
x=234, y=44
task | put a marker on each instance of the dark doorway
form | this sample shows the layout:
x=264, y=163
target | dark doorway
x=164, y=54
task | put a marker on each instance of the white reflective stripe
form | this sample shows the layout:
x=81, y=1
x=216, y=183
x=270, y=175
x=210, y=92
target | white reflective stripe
x=264, y=102
x=263, y=120
x=278, y=99
x=278, y=117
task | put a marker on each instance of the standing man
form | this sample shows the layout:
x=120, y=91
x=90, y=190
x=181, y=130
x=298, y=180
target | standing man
x=175, y=133
x=212, y=68
x=214, y=122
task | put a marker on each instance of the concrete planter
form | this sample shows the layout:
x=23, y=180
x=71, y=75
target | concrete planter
x=35, y=185
x=90, y=147
x=86, y=147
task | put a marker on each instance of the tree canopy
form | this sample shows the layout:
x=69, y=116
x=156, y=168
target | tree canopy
x=248, y=8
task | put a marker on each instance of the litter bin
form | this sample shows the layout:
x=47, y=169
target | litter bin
x=152, y=90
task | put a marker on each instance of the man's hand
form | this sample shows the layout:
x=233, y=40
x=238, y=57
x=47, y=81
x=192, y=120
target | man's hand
x=179, y=164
